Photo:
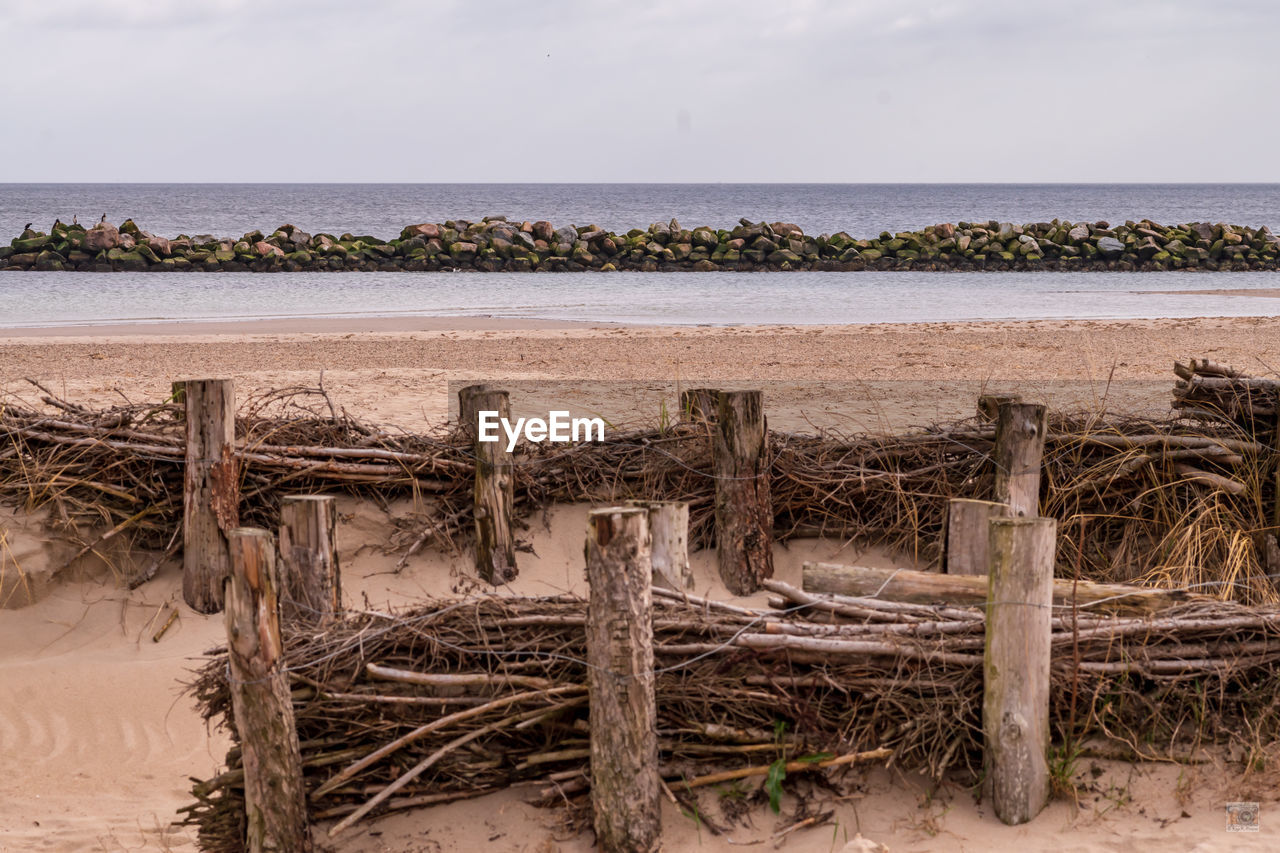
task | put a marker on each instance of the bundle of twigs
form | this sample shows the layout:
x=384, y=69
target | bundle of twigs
x=1138, y=500
x=459, y=698
x=1210, y=391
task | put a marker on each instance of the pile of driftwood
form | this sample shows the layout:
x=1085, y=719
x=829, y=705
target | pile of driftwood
x=1175, y=502
x=459, y=698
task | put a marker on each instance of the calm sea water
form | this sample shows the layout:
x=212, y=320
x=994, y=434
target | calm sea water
x=862, y=210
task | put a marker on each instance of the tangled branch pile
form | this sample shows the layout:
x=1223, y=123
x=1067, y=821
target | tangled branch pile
x=1174, y=502
x=460, y=698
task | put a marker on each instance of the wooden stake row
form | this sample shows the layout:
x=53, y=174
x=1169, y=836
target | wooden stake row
x=628, y=549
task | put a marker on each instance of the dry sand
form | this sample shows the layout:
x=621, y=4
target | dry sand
x=98, y=744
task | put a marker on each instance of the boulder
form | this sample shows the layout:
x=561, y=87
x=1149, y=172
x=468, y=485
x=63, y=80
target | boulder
x=265, y=249
x=159, y=245
x=544, y=231
x=1079, y=233
x=944, y=231
x=1110, y=247
x=101, y=238
x=566, y=234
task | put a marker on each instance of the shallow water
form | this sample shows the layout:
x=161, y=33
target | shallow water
x=684, y=298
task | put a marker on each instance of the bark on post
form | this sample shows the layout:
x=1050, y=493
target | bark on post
x=495, y=484
x=623, y=710
x=968, y=534
x=275, y=805
x=698, y=405
x=744, y=510
x=669, y=533
x=1015, y=705
x=209, y=491
x=1019, y=451
x=311, y=579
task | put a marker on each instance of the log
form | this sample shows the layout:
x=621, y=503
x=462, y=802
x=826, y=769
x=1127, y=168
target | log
x=1020, y=435
x=1015, y=702
x=971, y=590
x=967, y=535
x=312, y=581
x=669, y=534
x=210, y=491
x=275, y=805
x=744, y=511
x=494, y=494
x=623, y=711
x=698, y=405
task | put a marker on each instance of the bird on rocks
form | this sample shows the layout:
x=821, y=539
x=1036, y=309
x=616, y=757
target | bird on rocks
x=103, y=219
x=27, y=227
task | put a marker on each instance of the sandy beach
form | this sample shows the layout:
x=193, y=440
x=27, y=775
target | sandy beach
x=99, y=744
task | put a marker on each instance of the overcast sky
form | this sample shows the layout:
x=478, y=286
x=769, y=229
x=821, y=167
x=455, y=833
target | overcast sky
x=655, y=90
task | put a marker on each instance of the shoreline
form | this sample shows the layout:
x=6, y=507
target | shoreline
x=400, y=326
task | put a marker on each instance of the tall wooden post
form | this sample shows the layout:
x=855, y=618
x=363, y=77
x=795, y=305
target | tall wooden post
x=495, y=484
x=311, y=579
x=1015, y=704
x=1019, y=452
x=275, y=805
x=744, y=510
x=623, y=710
x=968, y=534
x=210, y=491
x=698, y=405
x=669, y=533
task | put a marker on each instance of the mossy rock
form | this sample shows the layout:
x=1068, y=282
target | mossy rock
x=128, y=227
x=31, y=244
x=146, y=252
x=299, y=257
x=222, y=256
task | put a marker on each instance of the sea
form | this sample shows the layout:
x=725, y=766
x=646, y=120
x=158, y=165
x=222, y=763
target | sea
x=47, y=299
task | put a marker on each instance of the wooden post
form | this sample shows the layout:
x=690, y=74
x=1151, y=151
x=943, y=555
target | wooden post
x=1019, y=451
x=1015, y=705
x=744, y=511
x=967, y=535
x=495, y=484
x=275, y=805
x=698, y=405
x=623, y=710
x=669, y=533
x=210, y=491
x=989, y=405
x=312, y=582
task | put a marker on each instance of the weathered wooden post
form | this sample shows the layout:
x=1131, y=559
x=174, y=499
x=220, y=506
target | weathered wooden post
x=744, y=510
x=669, y=533
x=989, y=405
x=698, y=405
x=1019, y=451
x=968, y=534
x=275, y=806
x=623, y=710
x=210, y=490
x=311, y=589
x=1015, y=704
x=495, y=484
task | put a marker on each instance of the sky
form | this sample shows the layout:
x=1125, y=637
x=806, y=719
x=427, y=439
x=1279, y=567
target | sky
x=639, y=91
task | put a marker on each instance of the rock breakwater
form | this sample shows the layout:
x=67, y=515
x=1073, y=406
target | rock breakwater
x=495, y=244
